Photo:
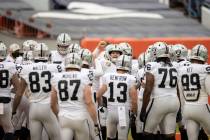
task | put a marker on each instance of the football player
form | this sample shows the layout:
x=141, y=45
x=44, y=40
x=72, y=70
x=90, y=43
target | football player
x=37, y=78
x=87, y=67
x=72, y=90
x=120, y=89
x=107, y=62
x=140, y=87
x=63, y=43
x=179, y=55
x=20, y=120
x=161, y=89
x=8, y=77
x=15, y=54
x=27, y=48
x=194, y=85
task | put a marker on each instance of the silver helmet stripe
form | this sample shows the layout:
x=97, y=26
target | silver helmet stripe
x=41, y=51
x=82, y=53
x=198, y=50
x=64, y=38
x=123, y=61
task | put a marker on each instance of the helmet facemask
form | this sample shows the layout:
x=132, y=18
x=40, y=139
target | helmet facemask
x=63, y=50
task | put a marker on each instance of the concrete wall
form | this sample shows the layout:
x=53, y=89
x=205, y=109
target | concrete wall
x=205, y=17
x=166, y=2
x=43, y=5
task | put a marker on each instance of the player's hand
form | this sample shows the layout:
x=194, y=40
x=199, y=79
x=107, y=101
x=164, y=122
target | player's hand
x=143, y=115
x=102, y=44
x=97, y=129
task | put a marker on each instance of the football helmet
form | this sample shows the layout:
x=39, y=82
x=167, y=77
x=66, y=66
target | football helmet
x=112, y=48
x=179, y=52
x=86, y=56
x=141, y=60
x=124, y=62
x=149, y=57
x=15, y=50
x=73, y=60
x=126, y=48
x=199, y=52
x=63, y=42
x=27, y=48
x=28, y=45
x=74, y=48
x=162, y=50
x=3, y=51
x=14, y=47
x=41, y=52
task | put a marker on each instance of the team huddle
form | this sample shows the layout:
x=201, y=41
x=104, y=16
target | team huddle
x=73, y=93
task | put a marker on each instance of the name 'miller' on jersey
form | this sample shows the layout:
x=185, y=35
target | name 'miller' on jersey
x=7, y=70
x=70, y=91
x=192, y=82
x=165, y=77
x=38, y=78
x=118, y=88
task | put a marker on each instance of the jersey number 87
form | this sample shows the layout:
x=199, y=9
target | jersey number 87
x=63, y=89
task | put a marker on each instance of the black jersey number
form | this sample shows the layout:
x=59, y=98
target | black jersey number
x=63, y=89
x=192, y=80
x=4, y=78
x=34, y=80
x=123, y=87
x=173, y=78
x=191, y=86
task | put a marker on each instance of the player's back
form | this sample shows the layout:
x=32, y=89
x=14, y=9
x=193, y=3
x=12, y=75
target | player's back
x=70, y=88
x=38, y=78
x=118, y=88
x=7, y=70
x=192, y=78
x=165, y=76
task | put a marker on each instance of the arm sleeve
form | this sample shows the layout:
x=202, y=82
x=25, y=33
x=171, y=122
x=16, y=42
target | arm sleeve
x=98, y=68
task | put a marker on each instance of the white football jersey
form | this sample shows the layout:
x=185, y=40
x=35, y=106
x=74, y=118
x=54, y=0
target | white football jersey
x=134, y=69
x=7, y=70
x=18, y=60
x=165, y=77
x=141, y=79
x=192, y=83
x=118, y=88
x=38, y=78
x=56, y=58
x=70, y=91
x=88, y=72
x=107, y=65
x=181, y=64
x=98, y=72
